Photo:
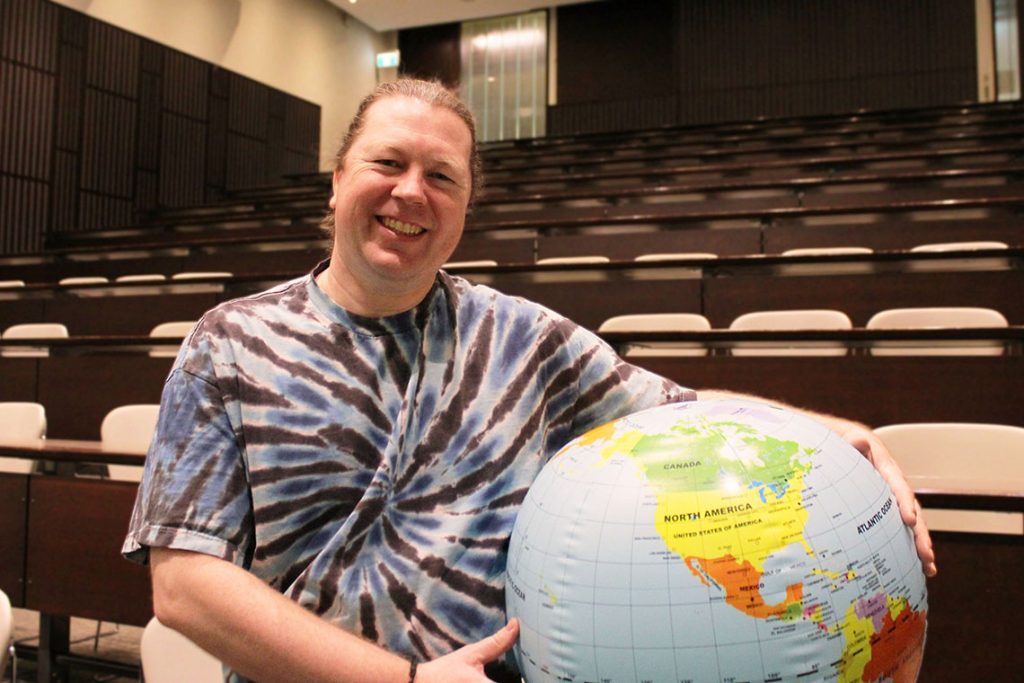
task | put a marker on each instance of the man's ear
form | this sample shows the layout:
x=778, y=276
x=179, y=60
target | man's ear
x=332, y=202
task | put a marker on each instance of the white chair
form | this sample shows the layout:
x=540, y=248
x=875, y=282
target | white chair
x=82, y=280
x=571, y=260
x=32, y=331
x=958, y=456
x=794, y=319
x=169, y=657
x=480, y=263
x=827, y=251
x=202, y=275
x=142, y=277
x=659, y=322
x=129, y=429
x=7, y=637
x=960, y=246
x=932, y=318
x=11, y=284
x=674, y=256
x=21, y=421
x=177, y=329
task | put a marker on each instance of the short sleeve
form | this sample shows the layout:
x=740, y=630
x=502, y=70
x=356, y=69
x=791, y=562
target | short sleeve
x=610, y=388
x=195, y=493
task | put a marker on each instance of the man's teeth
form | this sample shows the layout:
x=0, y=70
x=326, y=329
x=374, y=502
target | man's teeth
x=401, y=227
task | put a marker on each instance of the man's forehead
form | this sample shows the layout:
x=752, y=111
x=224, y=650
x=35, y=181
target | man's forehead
x=392, y=118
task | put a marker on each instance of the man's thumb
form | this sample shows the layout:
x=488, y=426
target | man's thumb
x=499, y=642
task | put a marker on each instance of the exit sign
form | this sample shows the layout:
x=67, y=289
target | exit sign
x=387, y=60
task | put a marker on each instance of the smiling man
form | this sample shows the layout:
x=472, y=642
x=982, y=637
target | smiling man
x=339, y=460
x=400, y=196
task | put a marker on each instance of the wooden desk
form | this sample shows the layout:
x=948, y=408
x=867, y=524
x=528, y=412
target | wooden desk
x=876, y=390
x=70, y=532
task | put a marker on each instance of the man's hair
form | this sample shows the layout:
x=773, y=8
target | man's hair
x=431, y=92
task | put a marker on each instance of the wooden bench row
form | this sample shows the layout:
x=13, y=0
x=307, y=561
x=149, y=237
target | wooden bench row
x=877, y=220
x=875, y=389
x=860, y=122
x=721, y=289
x=279, y=214
x=60, y=574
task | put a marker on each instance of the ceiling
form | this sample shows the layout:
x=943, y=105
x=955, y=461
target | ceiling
x=389, y=15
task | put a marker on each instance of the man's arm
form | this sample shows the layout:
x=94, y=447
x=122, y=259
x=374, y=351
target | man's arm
x=867, y=442
x=263, y=635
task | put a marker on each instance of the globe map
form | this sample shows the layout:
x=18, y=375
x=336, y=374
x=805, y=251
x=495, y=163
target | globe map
x=716, y=540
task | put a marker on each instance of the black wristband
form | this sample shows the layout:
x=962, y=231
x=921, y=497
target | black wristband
x=412, y=670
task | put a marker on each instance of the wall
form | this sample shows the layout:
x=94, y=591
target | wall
x=306, y=48
x=99, y=124
x=716, y=60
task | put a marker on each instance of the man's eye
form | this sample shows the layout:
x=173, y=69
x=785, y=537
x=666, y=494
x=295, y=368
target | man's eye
x=390, y=163
x=441, y=176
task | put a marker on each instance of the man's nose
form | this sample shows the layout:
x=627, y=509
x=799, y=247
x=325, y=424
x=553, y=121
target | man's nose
x=410, y=187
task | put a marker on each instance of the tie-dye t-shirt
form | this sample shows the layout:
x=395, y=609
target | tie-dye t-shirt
x=371, y=468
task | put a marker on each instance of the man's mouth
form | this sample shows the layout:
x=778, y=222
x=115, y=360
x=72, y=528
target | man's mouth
x=400, y=227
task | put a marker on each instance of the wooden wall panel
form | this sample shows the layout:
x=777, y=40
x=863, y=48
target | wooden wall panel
x=64, y=194
x=723, y=60
x=302, y=135
x=248, y=107
x=182, y=161
x=114, y=126
x=432, y=52
x=28, y=32
x=186, y=85
x=27, y=144
x=112, y=62
x=70, y=84
x=108, y=142
x=615, y=50
x=23, y=214
x=243, y=161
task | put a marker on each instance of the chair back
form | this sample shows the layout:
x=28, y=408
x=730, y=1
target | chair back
x=659, y=322
x=202, y=275
x=176, y=329
x=793, y=319
x=932, y=318
x=20, y=421
x=141, y=277
x=962, y=456
x=571, y=260
x=6, y=632
x=169, y=657
x=827, y=251
x=129, y=429
x=32, y=331
x=960, y=246
x=674, y=256
x=479, y=263
x=82, y=280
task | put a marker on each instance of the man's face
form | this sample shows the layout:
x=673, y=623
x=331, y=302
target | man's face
x=401, y=197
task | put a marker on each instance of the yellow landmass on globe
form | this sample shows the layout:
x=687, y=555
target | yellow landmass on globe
x=729, y=536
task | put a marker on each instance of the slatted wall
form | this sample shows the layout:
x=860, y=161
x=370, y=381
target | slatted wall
x=99, y=126
x=628, y=65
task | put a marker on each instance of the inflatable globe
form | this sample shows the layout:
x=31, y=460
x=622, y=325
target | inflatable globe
x=718, y=540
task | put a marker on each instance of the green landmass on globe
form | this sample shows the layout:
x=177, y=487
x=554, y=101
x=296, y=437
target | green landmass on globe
x=765, y=548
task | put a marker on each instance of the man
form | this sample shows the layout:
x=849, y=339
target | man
x=339, y=460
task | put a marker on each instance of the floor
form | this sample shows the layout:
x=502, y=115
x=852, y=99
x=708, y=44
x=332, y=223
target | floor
x=117, y=642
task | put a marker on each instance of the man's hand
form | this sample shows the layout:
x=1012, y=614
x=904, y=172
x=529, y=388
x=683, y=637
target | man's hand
x=466, y=665
x=872, y=447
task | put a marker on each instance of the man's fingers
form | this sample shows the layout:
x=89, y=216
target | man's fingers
x=923, y=541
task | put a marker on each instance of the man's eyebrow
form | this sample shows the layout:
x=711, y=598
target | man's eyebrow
x=444, y=161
